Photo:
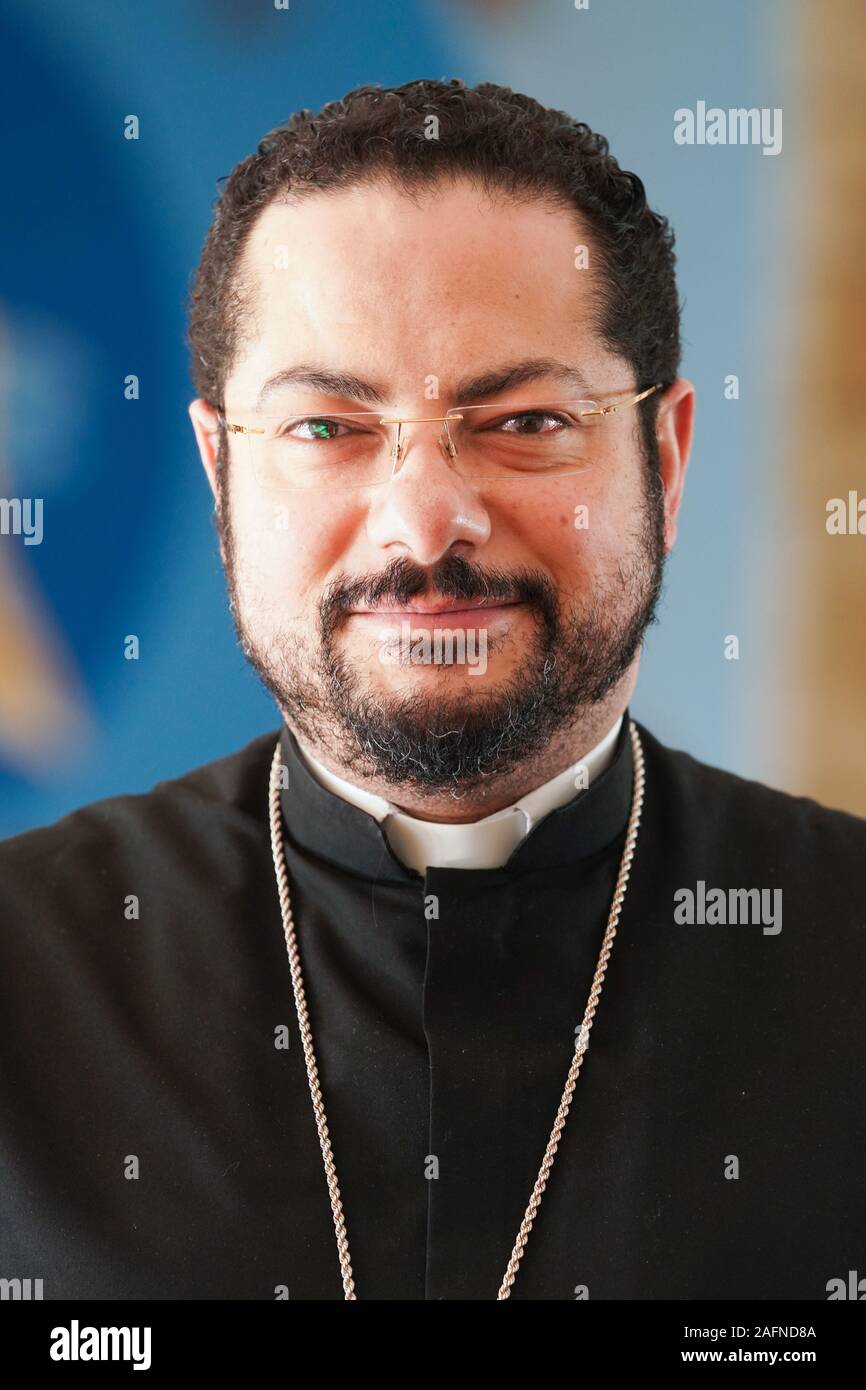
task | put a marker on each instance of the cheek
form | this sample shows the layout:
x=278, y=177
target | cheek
x=572, y=527
x=286, y=547
x=580, y=530
x=610, y=506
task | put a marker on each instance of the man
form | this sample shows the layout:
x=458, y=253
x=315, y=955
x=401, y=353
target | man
x=457, y=985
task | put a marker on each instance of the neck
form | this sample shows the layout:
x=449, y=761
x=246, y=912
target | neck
x=563, y=751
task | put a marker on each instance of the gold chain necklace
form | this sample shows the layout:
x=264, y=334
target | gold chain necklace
x=581, y=1046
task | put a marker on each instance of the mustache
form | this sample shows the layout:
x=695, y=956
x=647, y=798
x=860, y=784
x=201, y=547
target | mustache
x=454, y=577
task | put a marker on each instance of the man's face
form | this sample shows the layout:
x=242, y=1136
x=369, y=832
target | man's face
x=550, y=580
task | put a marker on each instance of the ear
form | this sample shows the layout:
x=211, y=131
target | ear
x=674, y=426
x=206, y=427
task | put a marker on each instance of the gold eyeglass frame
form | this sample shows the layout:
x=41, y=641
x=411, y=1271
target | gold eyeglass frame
x=454, y=414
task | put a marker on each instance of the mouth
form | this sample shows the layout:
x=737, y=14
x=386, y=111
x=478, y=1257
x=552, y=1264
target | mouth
x=435, y=607
x=462, y=612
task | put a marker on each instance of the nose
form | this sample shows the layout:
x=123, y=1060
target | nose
x=427, y=506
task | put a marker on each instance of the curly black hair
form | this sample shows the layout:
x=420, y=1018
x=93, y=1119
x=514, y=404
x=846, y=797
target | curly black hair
x=504, y=141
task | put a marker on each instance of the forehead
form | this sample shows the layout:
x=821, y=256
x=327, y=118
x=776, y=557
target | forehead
x=440, y=282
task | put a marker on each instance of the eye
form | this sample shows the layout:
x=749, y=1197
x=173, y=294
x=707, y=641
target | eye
x=311, y=427
x=531, y=422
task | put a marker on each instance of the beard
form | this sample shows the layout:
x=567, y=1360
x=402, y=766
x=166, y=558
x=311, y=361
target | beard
x=432, y=742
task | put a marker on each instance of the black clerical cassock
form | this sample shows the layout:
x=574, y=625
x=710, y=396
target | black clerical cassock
x=157, y=1137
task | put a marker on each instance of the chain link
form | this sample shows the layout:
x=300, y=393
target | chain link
x=581, y=1045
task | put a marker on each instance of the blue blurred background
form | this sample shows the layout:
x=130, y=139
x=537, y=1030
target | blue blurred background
x=100, y=237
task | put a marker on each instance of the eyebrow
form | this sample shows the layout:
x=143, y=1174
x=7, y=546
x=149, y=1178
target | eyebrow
x=499, y=379
x=330, y=383
x=470, y=388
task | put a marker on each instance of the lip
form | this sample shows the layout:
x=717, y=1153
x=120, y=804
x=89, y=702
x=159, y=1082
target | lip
x=481, y=617
x=434, y=610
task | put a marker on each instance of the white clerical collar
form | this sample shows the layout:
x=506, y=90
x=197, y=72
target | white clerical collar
x=480, y=844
